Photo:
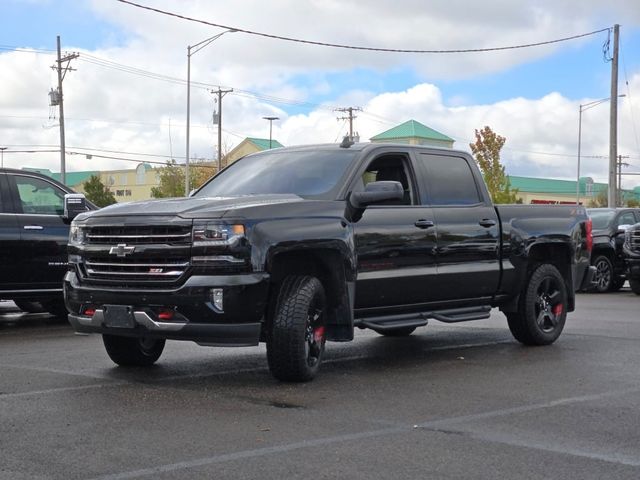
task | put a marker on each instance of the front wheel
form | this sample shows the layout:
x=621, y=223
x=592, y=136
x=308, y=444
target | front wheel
x=296, y=339
x=604, y=273
x=132, y=351
x=634, y=283
x=542, y=309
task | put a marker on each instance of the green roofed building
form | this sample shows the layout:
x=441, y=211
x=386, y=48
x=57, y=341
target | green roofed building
x=250, y=145
x=414, y=133
x=552, y=191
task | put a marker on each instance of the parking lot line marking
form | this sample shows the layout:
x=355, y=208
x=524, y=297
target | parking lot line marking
x=54, y=370
x=56, y=390
x=433, y=425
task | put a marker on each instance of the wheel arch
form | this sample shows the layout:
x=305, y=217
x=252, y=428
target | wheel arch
x=334, y=271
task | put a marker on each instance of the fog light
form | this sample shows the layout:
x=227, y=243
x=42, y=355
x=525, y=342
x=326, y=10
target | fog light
x=216, y=298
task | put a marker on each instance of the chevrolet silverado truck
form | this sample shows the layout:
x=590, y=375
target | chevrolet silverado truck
x=297, y=246
x=34, y=231
x=631, y=250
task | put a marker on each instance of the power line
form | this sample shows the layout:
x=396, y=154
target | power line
x=355, y=47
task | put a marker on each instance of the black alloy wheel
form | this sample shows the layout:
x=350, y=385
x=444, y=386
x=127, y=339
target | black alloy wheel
x=604, y=274
x=542, y=309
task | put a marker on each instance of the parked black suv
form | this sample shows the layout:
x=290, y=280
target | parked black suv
x=609, y=225
x=35, y=214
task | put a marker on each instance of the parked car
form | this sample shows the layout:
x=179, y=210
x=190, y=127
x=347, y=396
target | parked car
x=609, y=225
x=297, y=246
x=632, y=256
x=34, y=231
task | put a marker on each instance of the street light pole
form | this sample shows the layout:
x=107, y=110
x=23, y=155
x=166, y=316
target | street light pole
x=2, y=149
x=583, y=107
x=271, y=119
x=191, y=50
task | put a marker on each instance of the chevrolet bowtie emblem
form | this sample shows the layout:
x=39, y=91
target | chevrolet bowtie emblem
x=121, y=250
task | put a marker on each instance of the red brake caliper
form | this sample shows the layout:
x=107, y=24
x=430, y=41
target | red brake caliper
x=318, y=334
x=557, y=310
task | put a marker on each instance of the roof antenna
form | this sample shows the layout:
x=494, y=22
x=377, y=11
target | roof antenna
x=346, y=142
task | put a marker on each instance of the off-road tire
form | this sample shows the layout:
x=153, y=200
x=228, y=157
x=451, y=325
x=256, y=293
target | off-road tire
x=396, y=332
x=542, y=308
x=296, y=338
x=133, y=351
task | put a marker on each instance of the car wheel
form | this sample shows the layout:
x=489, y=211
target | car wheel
x=29, y=307
x=296, y=339
x=396, y=332
x=542, y=308
x=604, y=273
x=133, y=351
x=634, y=283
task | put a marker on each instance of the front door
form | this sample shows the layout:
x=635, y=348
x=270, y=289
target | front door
x=395, y=242
x=10, y=261
x=43, y=232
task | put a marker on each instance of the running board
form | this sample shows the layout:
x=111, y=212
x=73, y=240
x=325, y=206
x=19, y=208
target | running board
x=419, y=319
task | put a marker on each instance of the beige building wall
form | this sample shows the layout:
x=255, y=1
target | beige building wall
x=244, y=148
x=131, y=185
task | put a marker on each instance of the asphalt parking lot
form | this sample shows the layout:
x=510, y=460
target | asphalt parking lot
x=451, y=401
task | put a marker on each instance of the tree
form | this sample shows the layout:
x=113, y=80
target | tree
x=172, y=178
x=600, y=200
x=97, y=192
x=487, y=153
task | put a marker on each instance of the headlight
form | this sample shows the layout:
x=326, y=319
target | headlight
x=212, y=235
x=76, y=234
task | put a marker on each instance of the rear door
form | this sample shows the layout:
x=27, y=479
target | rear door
x=468, y=227
x=9, y=240
x=43, y=232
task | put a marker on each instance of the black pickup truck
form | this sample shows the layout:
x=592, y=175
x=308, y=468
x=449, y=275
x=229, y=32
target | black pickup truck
x=631, y=249
x=296, y=246
x=34, y=231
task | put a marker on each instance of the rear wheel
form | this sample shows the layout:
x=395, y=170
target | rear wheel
x=604, y=273
x=542, y=309
x=296, y=340
x=396, y=332
x=132, y=351
x=634, y=283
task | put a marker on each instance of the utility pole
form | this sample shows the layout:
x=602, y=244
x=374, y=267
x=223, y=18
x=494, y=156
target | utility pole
x=2, y=149
x=613, y=120
x=619, y=166
x=221, y=93
x=351, y=117
x=62, y=71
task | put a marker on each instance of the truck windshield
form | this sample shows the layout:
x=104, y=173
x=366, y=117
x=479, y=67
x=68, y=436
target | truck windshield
x=601, y=218
x=307, y=173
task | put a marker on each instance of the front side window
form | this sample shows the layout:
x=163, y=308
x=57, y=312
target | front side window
x=450, y=180
x=39, y=196
x=601, y=218
x=390, y=168
x=627, y=219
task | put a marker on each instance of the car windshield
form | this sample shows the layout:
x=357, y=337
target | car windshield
x=307, y=173
x=601, y=218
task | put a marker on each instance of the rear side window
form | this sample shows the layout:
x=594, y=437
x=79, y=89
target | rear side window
x=450, y=180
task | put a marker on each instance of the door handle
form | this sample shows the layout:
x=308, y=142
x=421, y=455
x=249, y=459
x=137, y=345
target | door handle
x=422, y=223
x=33, y=227
x=487, y=222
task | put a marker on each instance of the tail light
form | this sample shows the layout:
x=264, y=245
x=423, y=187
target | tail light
x=589, y=239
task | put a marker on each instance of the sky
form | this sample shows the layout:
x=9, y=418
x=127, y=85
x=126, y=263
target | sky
x=125, y=100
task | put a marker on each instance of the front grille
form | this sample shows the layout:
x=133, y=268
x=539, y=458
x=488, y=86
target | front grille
x=634, y=240
x=126, y=269
x=137, y=235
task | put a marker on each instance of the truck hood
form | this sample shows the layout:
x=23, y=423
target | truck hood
x=194, y=207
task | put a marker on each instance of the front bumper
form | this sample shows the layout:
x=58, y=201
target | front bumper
x=193, y=315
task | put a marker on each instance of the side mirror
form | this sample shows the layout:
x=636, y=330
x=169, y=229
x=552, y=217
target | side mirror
x=622, y=228
x=74, y=204
x=376, y=192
